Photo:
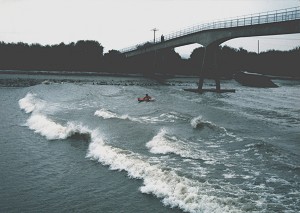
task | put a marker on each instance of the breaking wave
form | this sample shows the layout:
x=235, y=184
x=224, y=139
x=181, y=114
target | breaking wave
x=45, y=126
x=106, y=114
x=174, y=190
x=31, y=103
x=163, y=143
x=52, y=130
x=200, y=123
x=165, y=117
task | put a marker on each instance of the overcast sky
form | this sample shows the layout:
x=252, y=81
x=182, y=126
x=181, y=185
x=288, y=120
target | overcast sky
x=117, y=24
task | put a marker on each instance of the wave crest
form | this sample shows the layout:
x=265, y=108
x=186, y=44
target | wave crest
x=163, y=143
x=106, y=114
x=31, y=103
x=52, y=130
x=165, y=117
x=174, y=190
x=43, y=125
x=199, y=122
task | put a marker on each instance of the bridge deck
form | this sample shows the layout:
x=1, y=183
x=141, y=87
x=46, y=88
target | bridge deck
x=192, y=34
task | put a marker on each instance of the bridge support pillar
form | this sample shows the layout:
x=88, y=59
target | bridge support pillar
x=201, y=76
x=209, y=68
x=218, y=85
x=209, y=63
x=200, y=84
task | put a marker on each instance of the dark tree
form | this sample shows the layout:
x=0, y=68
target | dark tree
x=114, y=62
x=88, y=56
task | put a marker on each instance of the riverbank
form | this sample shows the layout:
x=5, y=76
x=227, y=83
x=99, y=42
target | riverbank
x=20, y=78
x=12, y=78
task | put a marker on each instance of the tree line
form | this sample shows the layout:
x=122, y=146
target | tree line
x=88, y=55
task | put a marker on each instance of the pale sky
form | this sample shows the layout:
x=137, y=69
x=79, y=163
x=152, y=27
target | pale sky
x=117, y=24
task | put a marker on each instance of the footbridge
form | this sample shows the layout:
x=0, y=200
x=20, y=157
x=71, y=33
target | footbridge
x=211, y=35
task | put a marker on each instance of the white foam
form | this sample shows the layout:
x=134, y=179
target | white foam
x=199, y=122
x=52, y=130
x=195, y=121
x=229, y=175
x=105, y=114
x=170, y=117
x=31, y=103
x=163, y=143
x=43, y=125
x=174, y=190
x=275, y=179
x=165, y=117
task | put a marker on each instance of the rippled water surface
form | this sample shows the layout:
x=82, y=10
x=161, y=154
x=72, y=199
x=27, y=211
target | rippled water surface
x=86, y=146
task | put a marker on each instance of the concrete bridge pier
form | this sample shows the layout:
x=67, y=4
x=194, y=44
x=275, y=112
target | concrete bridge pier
x=210, y=65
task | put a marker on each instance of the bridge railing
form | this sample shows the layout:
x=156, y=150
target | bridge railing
x=253, y=19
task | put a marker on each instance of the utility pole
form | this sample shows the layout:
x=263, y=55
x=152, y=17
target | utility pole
x=257, y=46
x=154, y=30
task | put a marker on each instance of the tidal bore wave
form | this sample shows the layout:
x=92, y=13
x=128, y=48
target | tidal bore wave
x=231, y=183
x=174, y=190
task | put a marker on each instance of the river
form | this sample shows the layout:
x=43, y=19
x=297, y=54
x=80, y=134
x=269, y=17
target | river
x=85, y=144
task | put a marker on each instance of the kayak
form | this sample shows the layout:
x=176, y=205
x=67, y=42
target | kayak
x=145, y=100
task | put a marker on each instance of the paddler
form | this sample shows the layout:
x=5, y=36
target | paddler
x=147, y=98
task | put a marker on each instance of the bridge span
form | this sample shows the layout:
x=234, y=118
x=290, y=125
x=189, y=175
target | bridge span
x=211, y=35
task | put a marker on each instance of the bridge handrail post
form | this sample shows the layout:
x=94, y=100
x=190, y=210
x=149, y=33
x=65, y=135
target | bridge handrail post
x=295, y=15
